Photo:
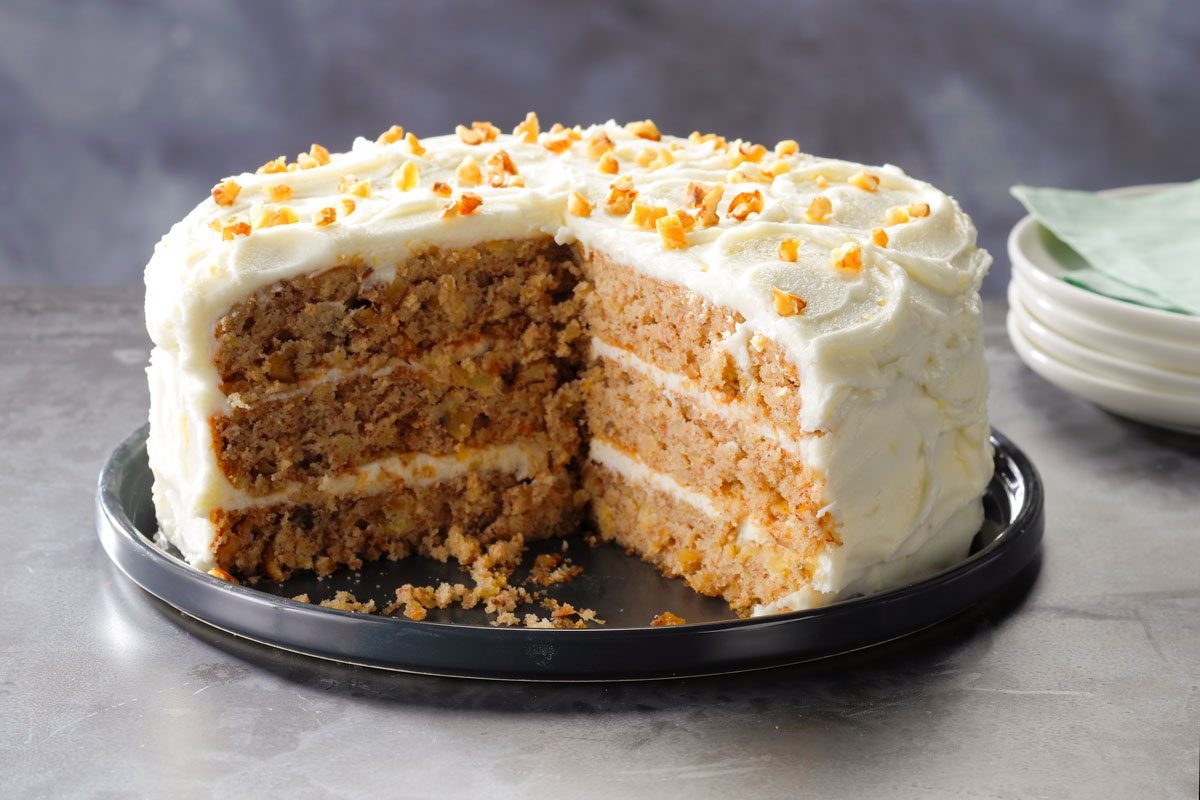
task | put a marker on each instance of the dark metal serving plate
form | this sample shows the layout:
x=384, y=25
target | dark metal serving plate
x=625, y=592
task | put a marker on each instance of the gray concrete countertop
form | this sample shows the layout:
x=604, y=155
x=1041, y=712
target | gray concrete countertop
x=1080, y=682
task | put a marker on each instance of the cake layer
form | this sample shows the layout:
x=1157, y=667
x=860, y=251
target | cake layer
x=334, y=425
x=323, y=532
x=700, y=443
x=679, y=534
x=680, y=332
x=340, y=318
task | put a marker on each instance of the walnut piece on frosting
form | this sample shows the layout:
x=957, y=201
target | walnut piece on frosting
x=278, y=192
x=392, y=135
x=578, y=206
x=621, y=196
x=406, y=177
x=918, y=210
x=644, y=216
x=879, y=237
x=466, y=204
x=864, y=180
x=819, y=210
x=501, y=171
x=848, y=257
x=273, y=166
x=414, y=144
x=786, y=303
x=598, y=144
x=708, y=206
x=317, y=156
x=670, y=229
x=747, y=151
x=789, y=250
x=653, y=158
x=478, y=133
x=528, y=129
x=441, y=189
x=271, y=217
x=787, y=147
x=325, y=217
x=744, y=204
x=234, y=229
x=609, y=165
x=557, y=141
x=644, y=129
x=468, y=172
x=350, y=184
x=225, y=192
x=348, y=206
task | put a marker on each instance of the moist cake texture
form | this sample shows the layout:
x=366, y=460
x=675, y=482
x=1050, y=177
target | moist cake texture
x=760, y=370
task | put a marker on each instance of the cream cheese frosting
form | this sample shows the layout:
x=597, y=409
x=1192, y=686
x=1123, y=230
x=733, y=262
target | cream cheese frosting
x=890, y=355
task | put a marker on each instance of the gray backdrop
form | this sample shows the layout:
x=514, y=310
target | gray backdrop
x=116, y=118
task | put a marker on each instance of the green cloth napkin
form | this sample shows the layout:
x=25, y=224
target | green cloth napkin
x=1143, y=249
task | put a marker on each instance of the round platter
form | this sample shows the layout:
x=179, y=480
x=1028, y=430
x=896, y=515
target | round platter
x=624, y=591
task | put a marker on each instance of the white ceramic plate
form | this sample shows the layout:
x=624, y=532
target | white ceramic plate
x=1099, y=363
x=1154, y=408
x=1043, y=272
x=1100, y=335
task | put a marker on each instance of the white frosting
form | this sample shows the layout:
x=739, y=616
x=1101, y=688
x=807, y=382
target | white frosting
x=890, y=357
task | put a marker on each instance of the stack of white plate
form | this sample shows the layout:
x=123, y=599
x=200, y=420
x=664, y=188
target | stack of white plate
x=1135, y=361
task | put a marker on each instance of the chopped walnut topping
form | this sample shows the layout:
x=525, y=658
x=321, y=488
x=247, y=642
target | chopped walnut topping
x=441, y=189
x=225, y=192
x=644, y=216
x=557, y=142
x=317, y=156
x=744, y=204
x=578, y=206
x=848, y=257
x=527, y=131
x=609, y=165
x=778, y=168
x=234, y=229
x=325, y=217
x=270, y=217
x=748, y=173
x=407, y=177
x=696, y=137
x=879, y=237
x=465, y=205
x=918, y=210
x=221, y=574
x=708, y=206
x=501, y=170
x=696, y=192
x=468, y=173
x=348, y=206
x=789, y=249
x=469, y=135
x=866, y=181
x=822, y=181
x=598, y=144
x=414, y=144
x=391, y=135
x=620, y=198
x=278, y=192
x=747, y=151
x=786, y=303
x=896, y=215
x=349, y=184
x=687, y=220
x=819, y=210
x=670, y=228
x=273, y=166
x=489, y=131
x=654, y=158
x=667, y=619
x=644, y=129
x=787, y=147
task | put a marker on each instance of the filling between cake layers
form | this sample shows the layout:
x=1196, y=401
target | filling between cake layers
x=532, y=389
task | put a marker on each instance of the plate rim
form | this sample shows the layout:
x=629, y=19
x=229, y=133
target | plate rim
x=1027, y=521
